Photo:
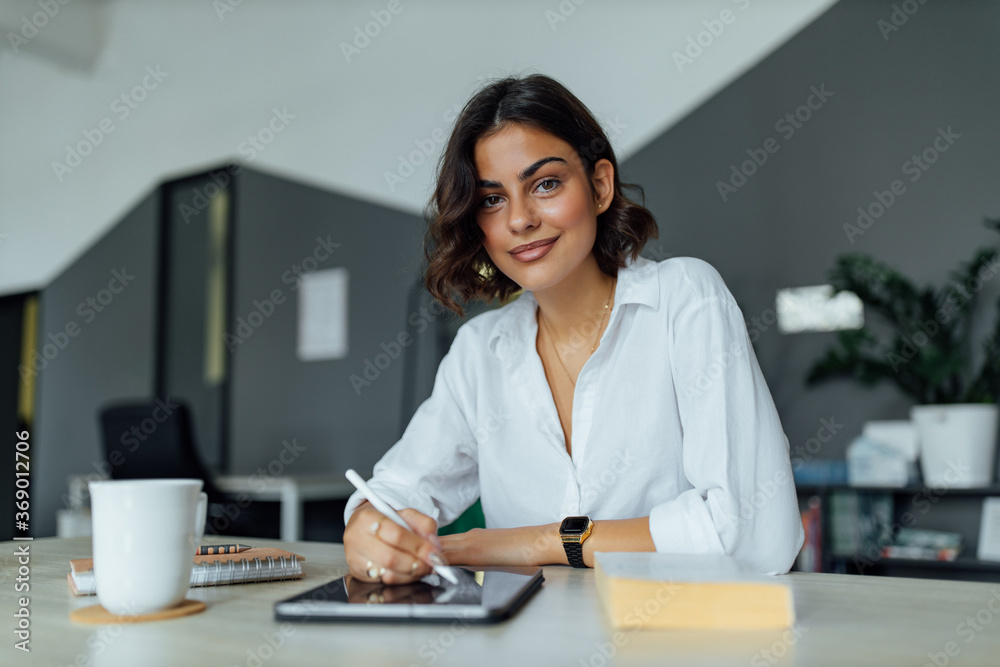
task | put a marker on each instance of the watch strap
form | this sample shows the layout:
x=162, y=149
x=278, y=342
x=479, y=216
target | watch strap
x=574, y=553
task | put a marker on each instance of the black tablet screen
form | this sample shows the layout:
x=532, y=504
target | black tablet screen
x=490, y=590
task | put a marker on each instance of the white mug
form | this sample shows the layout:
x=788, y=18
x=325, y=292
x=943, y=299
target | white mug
x=145, y=535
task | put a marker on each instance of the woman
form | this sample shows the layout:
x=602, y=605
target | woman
x=615, y=405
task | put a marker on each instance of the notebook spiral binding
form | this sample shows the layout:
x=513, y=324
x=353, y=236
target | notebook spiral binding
x=244, y=571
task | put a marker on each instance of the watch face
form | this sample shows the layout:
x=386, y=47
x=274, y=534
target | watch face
x=574, y=525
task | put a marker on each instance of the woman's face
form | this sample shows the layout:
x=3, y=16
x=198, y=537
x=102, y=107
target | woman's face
x=533, y=187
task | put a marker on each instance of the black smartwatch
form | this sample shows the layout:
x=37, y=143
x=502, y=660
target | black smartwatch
x=573, y=531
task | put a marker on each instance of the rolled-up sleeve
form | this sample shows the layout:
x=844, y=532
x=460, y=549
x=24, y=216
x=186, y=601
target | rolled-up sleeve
x=734, y=452
x=433, y=468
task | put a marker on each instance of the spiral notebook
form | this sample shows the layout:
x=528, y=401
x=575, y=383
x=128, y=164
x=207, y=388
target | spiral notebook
x=252, y=566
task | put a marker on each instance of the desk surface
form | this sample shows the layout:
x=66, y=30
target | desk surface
x=842, y=620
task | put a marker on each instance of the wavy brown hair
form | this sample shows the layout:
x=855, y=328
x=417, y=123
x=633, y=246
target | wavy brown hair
x=457, y=262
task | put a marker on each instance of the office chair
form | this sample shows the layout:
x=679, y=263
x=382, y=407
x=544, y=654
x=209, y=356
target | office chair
x=142, y=440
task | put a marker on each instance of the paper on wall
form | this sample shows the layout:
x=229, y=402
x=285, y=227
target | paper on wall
x=323, y=315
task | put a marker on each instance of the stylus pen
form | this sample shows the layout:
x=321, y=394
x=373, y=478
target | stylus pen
x=386, y=509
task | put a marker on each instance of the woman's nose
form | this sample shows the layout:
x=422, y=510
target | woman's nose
x=522, y=215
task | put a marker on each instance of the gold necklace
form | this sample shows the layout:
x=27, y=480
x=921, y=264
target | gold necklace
x=596, y=338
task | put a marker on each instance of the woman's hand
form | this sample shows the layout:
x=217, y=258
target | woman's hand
x=403, y=554
x=528, y=545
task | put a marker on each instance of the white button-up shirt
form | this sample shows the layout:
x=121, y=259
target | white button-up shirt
x=672, y=419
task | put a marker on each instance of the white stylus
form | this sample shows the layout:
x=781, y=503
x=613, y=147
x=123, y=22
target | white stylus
x=386, y=509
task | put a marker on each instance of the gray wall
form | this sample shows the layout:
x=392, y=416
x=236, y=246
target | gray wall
x=784, y=227
x=109, y=359
x=274, y=396
x=277, y=397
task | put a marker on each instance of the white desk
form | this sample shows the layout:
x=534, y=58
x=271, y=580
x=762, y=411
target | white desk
x=291, y=492
x=843, y=620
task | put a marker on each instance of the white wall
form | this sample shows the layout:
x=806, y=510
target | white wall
x=225, y=72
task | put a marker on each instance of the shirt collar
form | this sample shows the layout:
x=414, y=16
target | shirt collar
x=638, y=282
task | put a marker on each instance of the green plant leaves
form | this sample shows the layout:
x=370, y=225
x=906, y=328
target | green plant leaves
x=928, y=354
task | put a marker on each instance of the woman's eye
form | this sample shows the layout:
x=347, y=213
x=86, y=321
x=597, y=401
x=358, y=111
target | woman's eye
x=555, y=184
x=487, y=199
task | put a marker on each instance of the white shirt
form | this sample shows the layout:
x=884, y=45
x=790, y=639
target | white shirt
x=672, y=419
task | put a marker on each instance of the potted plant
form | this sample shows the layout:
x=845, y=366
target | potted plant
x=927, y=354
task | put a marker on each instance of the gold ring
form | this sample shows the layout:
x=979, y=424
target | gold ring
x=375, y=598
x=374, y=572
x=375, y=526
x=413, y=568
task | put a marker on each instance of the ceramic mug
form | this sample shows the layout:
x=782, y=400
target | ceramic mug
x=145, y=534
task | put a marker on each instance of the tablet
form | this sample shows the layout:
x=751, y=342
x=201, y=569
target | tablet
x=482, y=595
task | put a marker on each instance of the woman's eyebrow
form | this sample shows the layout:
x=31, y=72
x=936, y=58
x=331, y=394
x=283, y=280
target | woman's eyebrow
x=527, y=173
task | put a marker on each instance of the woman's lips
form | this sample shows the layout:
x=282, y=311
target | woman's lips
x=536, y=252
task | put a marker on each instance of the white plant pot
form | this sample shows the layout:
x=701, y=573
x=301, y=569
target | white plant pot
x=957, y=443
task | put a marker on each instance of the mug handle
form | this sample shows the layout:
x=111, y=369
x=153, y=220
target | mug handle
x=199, y=521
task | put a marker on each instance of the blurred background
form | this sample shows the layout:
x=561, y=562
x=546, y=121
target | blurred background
x=218, y=203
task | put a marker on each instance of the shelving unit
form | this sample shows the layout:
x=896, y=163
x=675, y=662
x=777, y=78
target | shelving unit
x=954, y=510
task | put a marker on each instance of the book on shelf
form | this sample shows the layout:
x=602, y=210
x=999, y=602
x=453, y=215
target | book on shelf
x=689, y=591
x=819, y=472
x=924, y=544
x=919, y=553
x=251, y=566
x=859, y=520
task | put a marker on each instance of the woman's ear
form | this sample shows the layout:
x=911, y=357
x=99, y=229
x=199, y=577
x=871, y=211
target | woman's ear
x=603, y=181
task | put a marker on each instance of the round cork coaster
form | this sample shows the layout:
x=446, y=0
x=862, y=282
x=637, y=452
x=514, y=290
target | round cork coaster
x=96, y=614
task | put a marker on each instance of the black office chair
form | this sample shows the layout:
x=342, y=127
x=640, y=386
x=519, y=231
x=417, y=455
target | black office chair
x=144, y=441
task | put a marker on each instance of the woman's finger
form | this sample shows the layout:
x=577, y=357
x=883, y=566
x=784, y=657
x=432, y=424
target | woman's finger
x=419, y=522
x=394, y=554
